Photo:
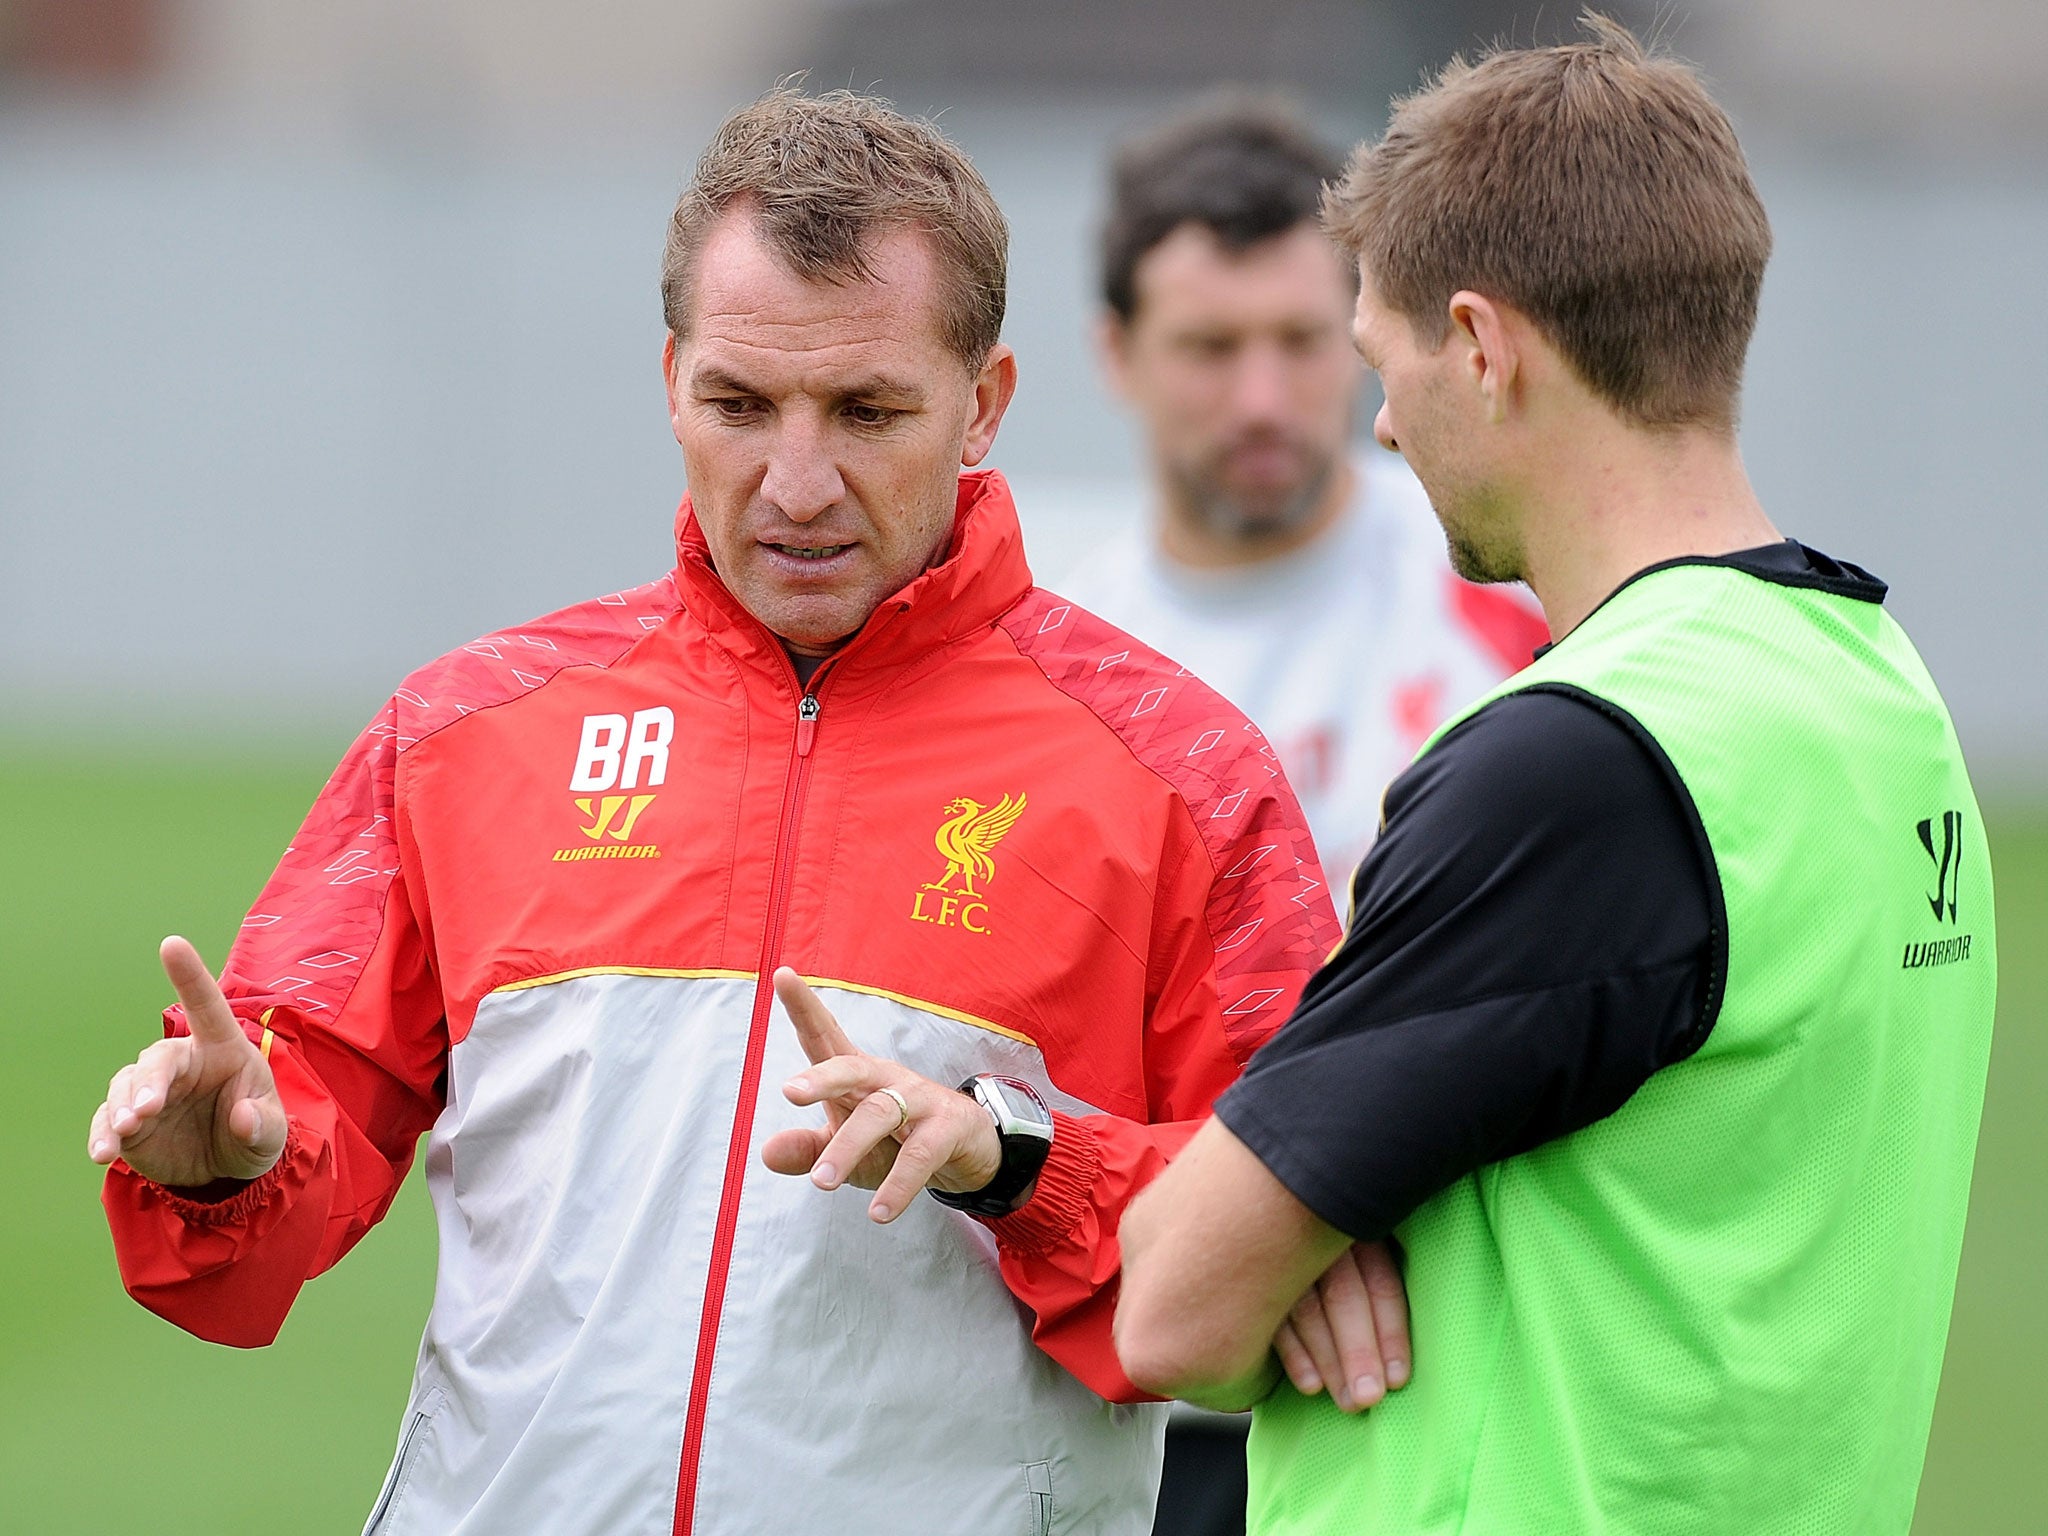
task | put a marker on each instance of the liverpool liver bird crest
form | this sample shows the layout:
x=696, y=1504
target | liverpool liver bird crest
x=968, y=835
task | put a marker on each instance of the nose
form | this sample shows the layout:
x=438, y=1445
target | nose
x=1259, y=385
x=802, y=479
x=1383, y=429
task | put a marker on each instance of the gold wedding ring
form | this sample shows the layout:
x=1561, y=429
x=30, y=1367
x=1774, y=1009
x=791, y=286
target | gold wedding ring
x=902, y=1109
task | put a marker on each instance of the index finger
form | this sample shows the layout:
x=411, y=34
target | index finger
x=206, y=1007
x=816, y=1029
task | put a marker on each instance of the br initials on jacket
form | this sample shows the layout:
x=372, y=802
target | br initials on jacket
x=617, y=753
x=965, y=840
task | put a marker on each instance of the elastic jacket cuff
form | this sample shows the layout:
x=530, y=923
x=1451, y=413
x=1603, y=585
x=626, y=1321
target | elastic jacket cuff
x=237, y=1208
x=1065, y=1192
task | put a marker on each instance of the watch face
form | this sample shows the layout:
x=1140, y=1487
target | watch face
x=1018, y=1109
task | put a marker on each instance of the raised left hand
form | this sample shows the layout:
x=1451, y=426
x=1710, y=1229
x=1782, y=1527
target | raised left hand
x=935, y=1135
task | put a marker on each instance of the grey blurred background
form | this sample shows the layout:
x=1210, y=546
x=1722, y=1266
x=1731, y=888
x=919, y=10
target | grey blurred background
x=329, y=333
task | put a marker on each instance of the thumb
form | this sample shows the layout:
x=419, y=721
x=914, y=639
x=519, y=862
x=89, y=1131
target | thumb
x=794, y=1151
x=260, y=1124
x=206, y=1007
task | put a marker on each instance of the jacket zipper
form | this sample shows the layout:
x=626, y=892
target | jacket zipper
x=807, y=711
x=401, y=1465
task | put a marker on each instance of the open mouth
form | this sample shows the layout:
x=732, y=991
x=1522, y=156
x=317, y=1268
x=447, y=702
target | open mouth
x=810, y=551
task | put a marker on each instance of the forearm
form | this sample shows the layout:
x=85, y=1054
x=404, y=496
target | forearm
x=1060, y=1252
x=1239, y=1395
x=1170, y=1336
x=1215, y=1253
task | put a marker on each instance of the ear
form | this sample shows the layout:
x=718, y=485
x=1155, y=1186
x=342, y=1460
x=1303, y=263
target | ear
x=673, y=384
x=1491, y=351
x=993, y=387
x=1112, y=351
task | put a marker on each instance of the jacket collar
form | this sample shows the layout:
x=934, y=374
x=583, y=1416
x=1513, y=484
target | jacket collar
x=981, y=577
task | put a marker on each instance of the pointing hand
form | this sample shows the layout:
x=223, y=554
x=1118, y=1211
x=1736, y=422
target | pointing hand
x=194, y=1108
x=886, y=1128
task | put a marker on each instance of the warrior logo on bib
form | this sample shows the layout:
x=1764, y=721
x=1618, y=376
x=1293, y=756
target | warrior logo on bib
x=1945, y=854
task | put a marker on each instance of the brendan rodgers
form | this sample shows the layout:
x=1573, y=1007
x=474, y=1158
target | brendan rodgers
x=538, y=913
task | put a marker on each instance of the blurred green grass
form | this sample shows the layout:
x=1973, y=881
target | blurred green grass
x=111, y=1419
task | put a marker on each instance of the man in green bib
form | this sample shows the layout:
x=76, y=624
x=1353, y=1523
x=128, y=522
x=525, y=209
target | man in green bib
x=1658, y=1036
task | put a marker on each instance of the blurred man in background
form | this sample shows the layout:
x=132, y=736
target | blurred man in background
x=1305, y=582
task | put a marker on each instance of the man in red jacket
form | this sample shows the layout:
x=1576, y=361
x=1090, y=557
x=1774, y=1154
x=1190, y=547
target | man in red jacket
x=542, y=912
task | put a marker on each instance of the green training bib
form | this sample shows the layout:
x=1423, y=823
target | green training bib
x=1722, y=1309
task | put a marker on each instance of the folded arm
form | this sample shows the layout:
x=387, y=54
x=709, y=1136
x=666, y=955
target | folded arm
x=1216, y=1255
x=1532, y=941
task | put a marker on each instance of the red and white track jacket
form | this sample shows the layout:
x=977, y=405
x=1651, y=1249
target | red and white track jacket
x=533, y=915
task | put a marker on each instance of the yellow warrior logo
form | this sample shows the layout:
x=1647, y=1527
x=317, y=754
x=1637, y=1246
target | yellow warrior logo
x=608, y=822
x=966, y=839
x=610, y=829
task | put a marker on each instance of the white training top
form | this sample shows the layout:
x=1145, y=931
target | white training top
x=1346, y=653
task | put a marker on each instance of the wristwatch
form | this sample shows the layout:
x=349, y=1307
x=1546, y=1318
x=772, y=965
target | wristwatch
x=1024, y=1127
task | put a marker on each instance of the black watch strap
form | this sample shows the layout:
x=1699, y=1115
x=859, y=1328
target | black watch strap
x=1024, y=1129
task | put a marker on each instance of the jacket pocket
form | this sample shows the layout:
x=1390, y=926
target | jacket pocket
x=1038, y=1487
x=419, y=1429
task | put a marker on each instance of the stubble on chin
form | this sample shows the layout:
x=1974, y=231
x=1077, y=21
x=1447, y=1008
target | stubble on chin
x=820, y=621
x=1229, y=515
x=813, y=625
x=1473, y=565
x=1479, y=549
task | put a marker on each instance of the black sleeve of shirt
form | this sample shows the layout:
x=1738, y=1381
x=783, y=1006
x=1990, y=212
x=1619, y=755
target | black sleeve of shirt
x=1536, y=932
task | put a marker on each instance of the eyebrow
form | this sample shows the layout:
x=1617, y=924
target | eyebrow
x=874, y=386
x=877, y=386
x=712, y=377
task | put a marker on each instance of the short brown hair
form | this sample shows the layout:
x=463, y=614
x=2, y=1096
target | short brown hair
x=1244, y=168
x=1596, y=188
x=823, y=175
